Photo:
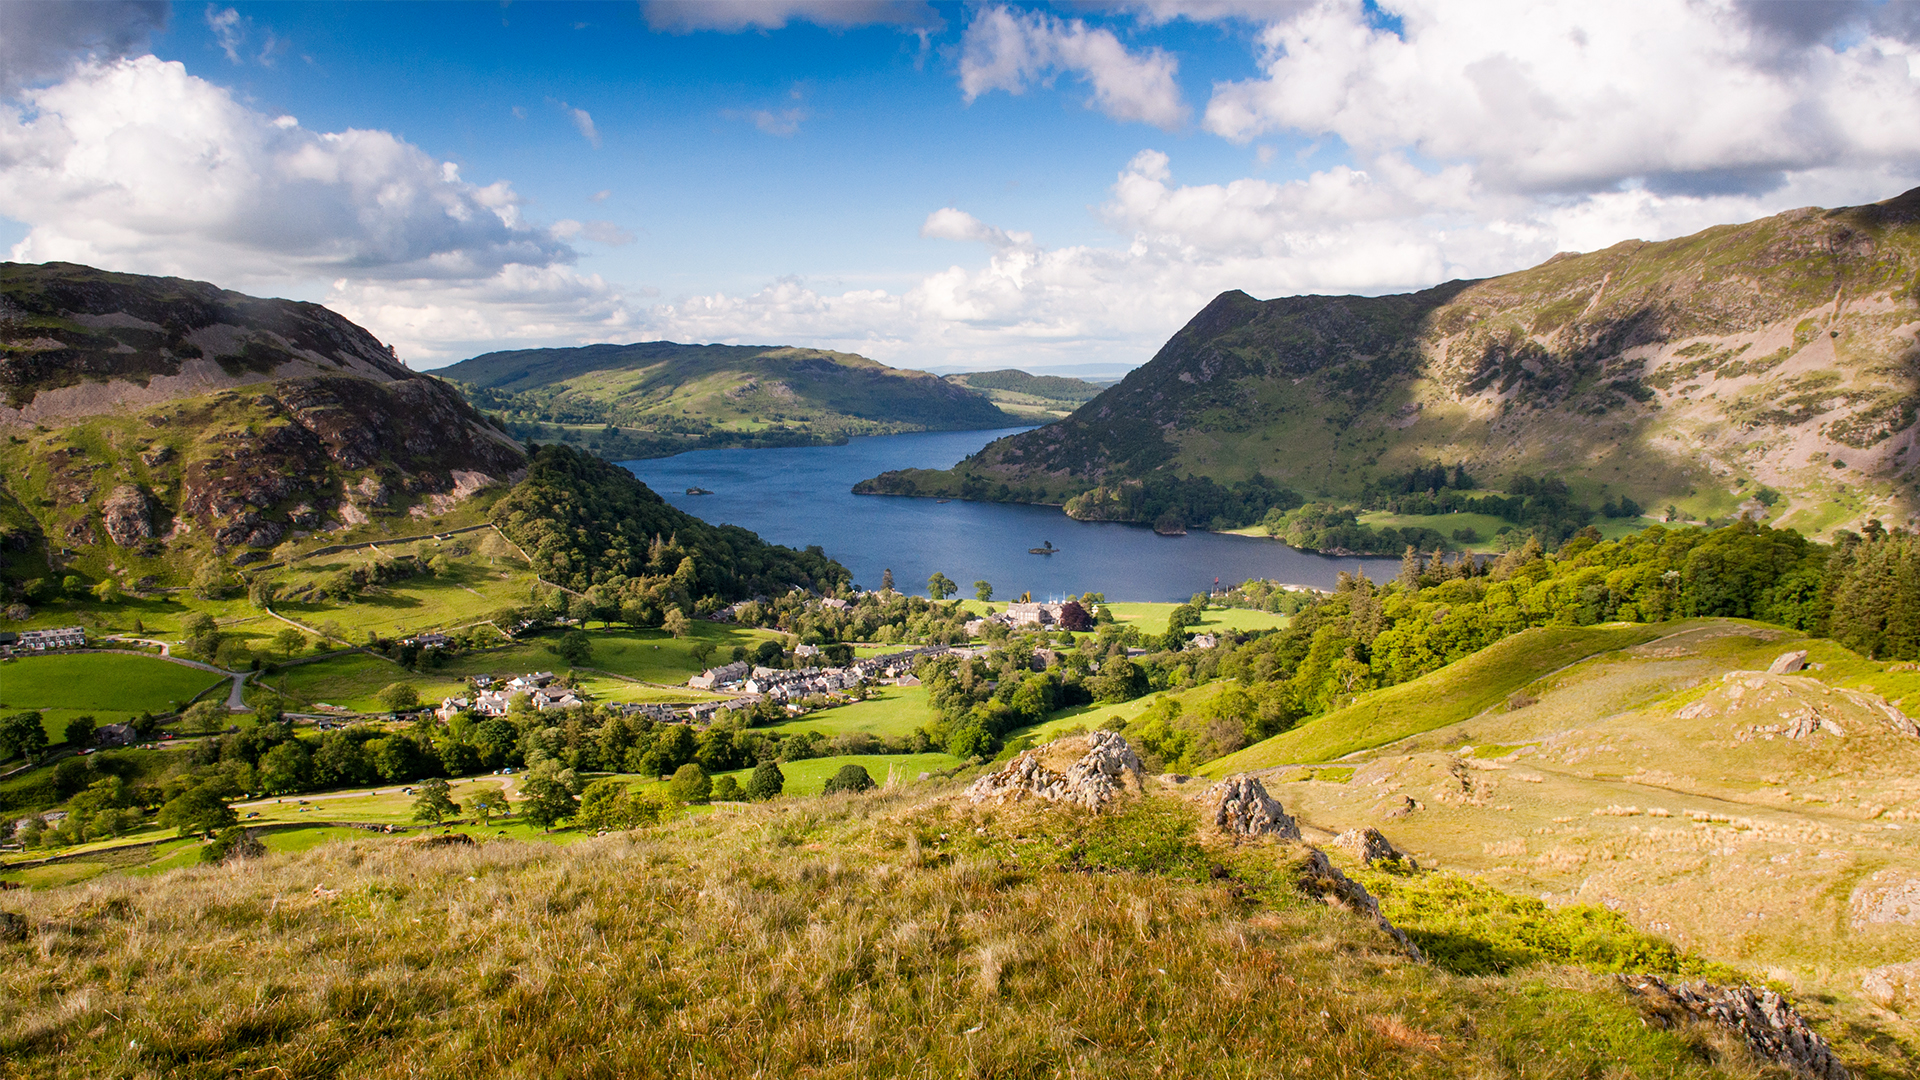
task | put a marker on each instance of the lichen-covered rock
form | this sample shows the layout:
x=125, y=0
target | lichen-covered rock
x=128, y=516
x=1889, y=897
x=1241, y=807
x=1319, y=877
x=1894, y=986
x=1088, y=770
x=1368, y=846
x=1788, y=663
x=1763, y=1018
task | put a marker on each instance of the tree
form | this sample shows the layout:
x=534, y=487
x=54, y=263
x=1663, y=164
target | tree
x=690, y=784
x=486, y=803
x=940, y=586
x=107, y=591
x=983, y=590
x=727, y=789
x=285, y=768
x=290, y=641
x=677, y=623
x=233, y=655
x=79, y=732
x=608, y=804
x=766, y=782
x=434, y=800
x=548, y=802
x=886, y=580
x=24, y=734
x=701, y=651
x=852, y=779
x=574, y=646
x=399, y=697
x=198, y=809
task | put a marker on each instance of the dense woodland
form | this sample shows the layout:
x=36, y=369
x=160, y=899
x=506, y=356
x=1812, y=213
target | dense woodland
x=589, y=524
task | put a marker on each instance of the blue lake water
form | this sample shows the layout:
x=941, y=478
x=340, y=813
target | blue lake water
x=803, y=495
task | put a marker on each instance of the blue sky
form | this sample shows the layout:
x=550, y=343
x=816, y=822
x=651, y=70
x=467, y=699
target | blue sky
x=939, y=186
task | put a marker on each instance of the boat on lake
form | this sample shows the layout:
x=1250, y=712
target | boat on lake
x=698, y=491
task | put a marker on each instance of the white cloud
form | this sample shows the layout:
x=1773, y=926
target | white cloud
x=137, y=165
x=601, y=232
x=436, y=322
x=231, y=29
x=583, y=123
x=1557, y=95
x=734, y=16
x=1010, y=50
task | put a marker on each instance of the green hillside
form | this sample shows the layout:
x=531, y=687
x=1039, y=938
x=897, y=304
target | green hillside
x=1768, y=367
x=659, y=397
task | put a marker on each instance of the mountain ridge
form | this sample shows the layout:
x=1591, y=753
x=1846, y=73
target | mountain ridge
x=662, y=397
x=1772, y=355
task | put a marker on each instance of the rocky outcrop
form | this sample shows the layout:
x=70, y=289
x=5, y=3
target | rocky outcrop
x=1240, y=807
x=1763, y=1018
x=1089, y=770
x=128, y=516
x=1788, y=663
x=1319, y=877
x=1893, y=986
x=1367, y=846
x=1887, y=898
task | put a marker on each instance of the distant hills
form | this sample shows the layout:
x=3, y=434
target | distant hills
x=660, y=397
x=1042, y=397
x=1769, y=368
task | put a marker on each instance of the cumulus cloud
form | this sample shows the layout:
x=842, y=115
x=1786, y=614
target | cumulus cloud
x=138, y=165
x=432, y=323
x=40, y=40
x=1558, y=96
x=734, y=16
x=1010, y=50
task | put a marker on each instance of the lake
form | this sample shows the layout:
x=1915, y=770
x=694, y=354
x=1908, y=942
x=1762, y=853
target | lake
x=803, y=495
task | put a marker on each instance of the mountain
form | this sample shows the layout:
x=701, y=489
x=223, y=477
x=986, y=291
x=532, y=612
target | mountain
x=659, y=397
x=1769, y=367
x=153, y=424
x=1041, y=397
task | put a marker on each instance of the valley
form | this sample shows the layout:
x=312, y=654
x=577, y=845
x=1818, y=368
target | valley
x=342, y=626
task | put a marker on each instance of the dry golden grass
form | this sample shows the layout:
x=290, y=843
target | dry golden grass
x=892, y=934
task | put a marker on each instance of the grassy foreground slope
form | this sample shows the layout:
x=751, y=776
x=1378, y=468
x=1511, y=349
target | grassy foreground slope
x=881, y=935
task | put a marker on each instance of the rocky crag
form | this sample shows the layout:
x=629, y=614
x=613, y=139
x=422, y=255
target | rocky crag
x=151, y=419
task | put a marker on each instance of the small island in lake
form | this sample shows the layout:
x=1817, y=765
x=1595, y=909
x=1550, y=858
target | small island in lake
x=1048, y=550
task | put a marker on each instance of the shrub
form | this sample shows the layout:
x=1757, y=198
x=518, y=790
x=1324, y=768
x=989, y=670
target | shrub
x=232, y=845
x=727, y=789
x=690, y=784
x=851, y=778
x=766, y=782
x=399, y=697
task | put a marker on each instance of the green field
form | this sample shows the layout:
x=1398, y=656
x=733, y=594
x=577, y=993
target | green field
x=1152, y=618
x=889, y=711
x=490, y=575
x=110, y=687
x=1450, y=695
